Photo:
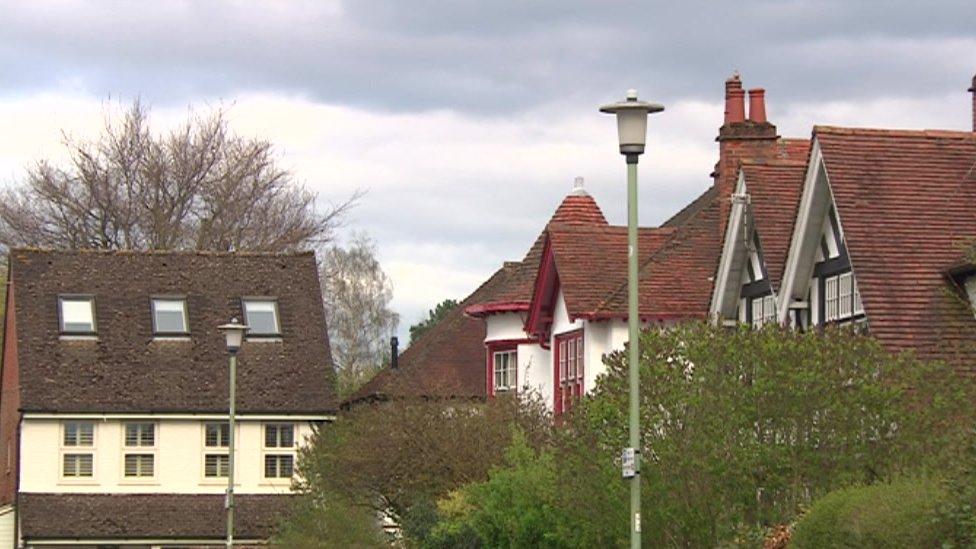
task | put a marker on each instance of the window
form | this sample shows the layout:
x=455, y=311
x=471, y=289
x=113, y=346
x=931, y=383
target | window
x=216, y=440
x=261, y=316
x=279, y=446
x=763, y=310
x=569, y=370
x=504, y=364
x=77, y=314
x=78, y=449
x=169, y=316
x=139, y=450
x=842, y=299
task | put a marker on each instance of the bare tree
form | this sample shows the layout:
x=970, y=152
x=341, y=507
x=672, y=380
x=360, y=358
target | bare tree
x=357, y=296
x=196, y=187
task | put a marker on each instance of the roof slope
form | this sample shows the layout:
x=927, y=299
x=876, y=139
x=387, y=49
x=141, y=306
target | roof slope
x=774, y=189
x=156, y=516
x=592, y=261
x=676, y=280
x=906, y=201
x=126, y=370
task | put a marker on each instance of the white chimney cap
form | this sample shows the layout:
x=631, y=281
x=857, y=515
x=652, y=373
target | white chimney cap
x=578, y=186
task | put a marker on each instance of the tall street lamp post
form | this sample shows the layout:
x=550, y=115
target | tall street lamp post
x=632, y=134
x=234, y=334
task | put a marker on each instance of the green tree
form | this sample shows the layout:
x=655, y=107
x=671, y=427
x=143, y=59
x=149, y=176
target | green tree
x=434, y=316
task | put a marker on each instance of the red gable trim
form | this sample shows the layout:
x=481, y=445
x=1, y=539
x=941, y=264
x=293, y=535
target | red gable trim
x=544, y=293
x=481, y=310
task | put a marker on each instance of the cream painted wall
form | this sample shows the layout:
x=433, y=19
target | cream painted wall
x=504, y=326
x=178, y=463
x=535, y=370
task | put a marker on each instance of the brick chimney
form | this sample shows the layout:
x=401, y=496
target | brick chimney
x=973, y=90
x=738, y=138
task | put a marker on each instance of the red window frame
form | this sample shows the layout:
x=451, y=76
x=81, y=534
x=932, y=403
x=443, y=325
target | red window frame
x=568, y=358
x=499, y=347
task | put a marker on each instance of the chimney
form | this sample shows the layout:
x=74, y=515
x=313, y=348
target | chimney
x=973, y=90
x=757, y=105
x=735, y=108
x=394, y=353
x=739, y=139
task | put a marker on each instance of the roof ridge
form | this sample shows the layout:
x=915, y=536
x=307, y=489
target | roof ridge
x=894, y=132
x=113, y=251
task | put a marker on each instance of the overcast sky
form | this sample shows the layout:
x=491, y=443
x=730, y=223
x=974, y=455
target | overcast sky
x=466, y=121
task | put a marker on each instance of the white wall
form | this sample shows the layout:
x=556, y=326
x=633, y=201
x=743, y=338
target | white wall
x=504, y=326
x=178, y=463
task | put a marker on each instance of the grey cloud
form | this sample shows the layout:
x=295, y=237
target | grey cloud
x=488, y=57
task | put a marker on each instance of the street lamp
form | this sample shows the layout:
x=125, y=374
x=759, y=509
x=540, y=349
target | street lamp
x=234, y=334
x=632, y=134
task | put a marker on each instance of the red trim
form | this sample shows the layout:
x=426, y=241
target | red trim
x=499, y=346
x=479, y=310
x=515, y=341
x=568, y=374
x=544, y=293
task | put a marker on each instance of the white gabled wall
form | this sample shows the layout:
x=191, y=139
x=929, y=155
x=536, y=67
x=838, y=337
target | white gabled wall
x=504, y=326
x=178, y=463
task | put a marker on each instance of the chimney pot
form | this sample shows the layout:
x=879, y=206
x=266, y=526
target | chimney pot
x=757, y=105
x=735, y=110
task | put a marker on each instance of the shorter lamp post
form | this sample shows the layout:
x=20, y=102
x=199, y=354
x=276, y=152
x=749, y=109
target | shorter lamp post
x=632, y=134
x=234, y=334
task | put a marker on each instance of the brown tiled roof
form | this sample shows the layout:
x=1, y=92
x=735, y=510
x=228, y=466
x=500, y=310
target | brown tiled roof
x=148, y=516
x=774, y=189
x=125, y=370
x=676, y=281
x=906, y=201
x=592, y=261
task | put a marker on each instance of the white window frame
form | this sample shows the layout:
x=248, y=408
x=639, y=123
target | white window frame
x=842, y=298
x=509, y=373
x=186, y=317
x=213, y=450
x=278, y=451
x=90, y=299
x=140, y=449
x=251, y=334
x=77, y=449
x=831, y=299
x=765, y=306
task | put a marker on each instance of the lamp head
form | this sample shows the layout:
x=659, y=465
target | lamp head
x=632, y=122
x=234, y=334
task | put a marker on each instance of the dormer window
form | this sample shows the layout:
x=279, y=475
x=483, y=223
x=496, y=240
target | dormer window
x=77, y=315
x=169, y=316
x=261, y=316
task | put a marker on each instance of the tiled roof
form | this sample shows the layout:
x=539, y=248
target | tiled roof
x=126, y=370
x=147, y=516
x=774, y=189
x=676, y=281
x=906, y=201
x=592, y=261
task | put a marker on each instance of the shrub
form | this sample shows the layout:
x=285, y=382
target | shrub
x=902, y=513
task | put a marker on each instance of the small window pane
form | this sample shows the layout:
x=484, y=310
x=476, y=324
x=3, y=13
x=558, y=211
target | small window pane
x=830, y=298
x=217, y=435
x=757, y=312
x=169, y=316
x=279, y=466
x=261, y=317
x=140, y=434
x=79, y=433
x=77, y=465
x=77, y=316
x=139, y=465
x=216, y=465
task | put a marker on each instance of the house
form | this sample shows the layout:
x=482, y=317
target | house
x=115, y=394
x=777, y=237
